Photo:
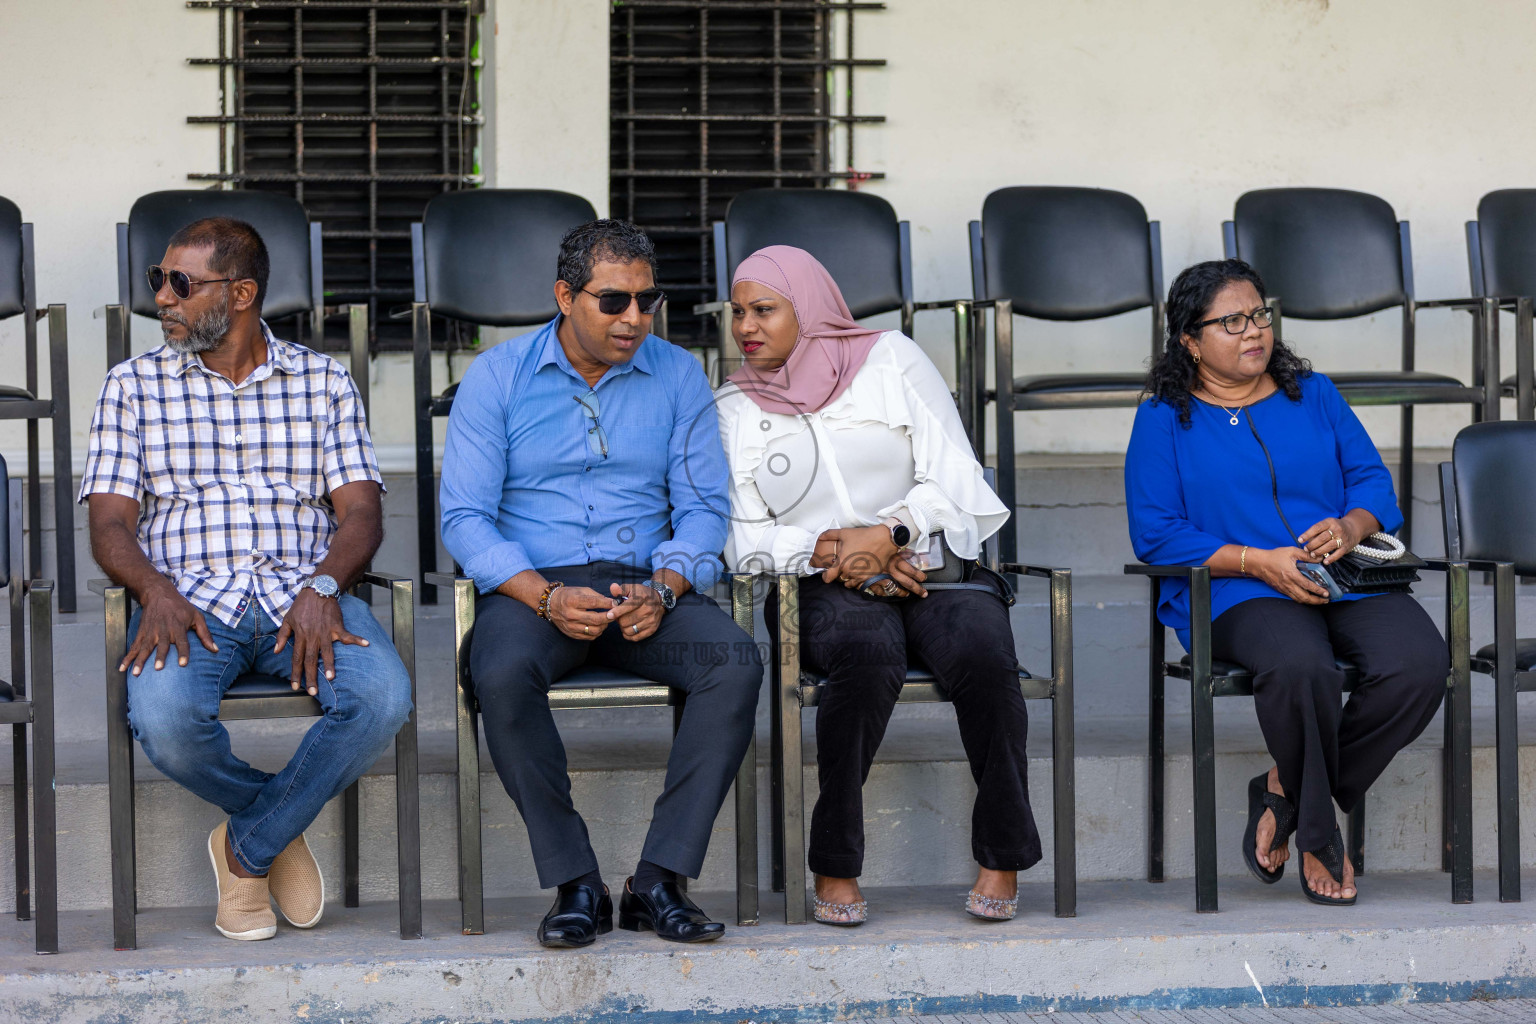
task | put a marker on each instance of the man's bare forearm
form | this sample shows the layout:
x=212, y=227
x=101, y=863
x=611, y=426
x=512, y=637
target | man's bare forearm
x=357, y=538
x=115, y=547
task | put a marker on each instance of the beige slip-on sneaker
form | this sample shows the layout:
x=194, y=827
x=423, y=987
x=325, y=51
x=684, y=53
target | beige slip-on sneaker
x=297, y=886
x=245, y=904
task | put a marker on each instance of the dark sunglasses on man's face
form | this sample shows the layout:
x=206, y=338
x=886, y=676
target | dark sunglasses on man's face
x=610, y=303
x=181, y=284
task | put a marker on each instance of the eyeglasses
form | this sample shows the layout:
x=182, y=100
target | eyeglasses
x=1237, y=323
x=181, y=284
x=597, y=438
x=614, y=303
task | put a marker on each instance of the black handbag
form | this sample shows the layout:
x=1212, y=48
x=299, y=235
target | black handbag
x=1379, y=564
x=955, y=574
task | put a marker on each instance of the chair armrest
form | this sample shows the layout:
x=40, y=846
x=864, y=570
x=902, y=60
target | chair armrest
x=1483, y=565
x=1176, y=571
x=1044, y=572
x=1445, y=564
x=100, y=587
x=919, y=307
x=443, y=579
x=382, y=579
x=1467, y=303
x=700, y=308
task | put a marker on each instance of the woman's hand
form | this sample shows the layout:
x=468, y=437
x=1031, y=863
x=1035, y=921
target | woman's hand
x=825, y=554
x=862, y=552
x=1332, y=539
x=1278, y=568
x=909, y=578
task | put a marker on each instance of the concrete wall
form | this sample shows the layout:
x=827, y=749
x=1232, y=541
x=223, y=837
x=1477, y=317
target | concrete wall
x=1185, y=106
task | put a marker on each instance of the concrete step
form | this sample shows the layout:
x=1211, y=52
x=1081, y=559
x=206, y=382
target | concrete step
x=1133, y=947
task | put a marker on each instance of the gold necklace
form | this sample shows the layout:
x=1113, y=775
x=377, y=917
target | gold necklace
x=1232, y=413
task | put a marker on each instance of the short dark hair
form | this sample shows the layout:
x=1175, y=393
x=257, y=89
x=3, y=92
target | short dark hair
x=1174, y=376
x=238, y=250
x=611, y=241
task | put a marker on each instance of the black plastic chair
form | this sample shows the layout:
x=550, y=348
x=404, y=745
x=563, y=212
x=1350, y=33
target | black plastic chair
x=856, y=236
x=1067, y=254
x=1331, y=254
x=257, y=696
x=796, y=688
x=1488, y=503
x=18, y=296
x=584, y=689
x=482, y=256
x=295, y=288
x=36, y=710
x=1209, y=678
x=1501, y=256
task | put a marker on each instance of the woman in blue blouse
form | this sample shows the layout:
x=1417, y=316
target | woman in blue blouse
x=1199, y=492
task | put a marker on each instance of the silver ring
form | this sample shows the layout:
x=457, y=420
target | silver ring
x=1337, y=542
x=634, y=629
x=890, y=587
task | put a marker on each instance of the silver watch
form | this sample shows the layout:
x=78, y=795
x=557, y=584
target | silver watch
x=668, y=599
x=322, y=584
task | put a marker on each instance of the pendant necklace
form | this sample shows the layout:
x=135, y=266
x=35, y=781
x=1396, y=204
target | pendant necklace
x=1232, y=413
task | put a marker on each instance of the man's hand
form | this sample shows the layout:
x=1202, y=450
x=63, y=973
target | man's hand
x=581, y=613
x=313, y=626
x=166, y=620
x=1278, y=569
x=637, y=610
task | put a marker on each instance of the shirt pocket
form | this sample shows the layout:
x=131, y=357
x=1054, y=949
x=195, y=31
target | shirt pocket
x=181, y=459
x=295, y=456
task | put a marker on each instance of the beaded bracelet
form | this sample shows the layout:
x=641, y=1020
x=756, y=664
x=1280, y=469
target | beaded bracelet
x=549, y=590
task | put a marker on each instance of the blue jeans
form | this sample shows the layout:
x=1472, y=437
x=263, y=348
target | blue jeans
x=174, y=713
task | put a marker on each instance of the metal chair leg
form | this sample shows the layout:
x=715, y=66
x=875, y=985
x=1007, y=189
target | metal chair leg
x=120, y=774
x=1063, y=747
x=1458, y=714
x=1002, y=350
x=1507, y=742
x=63, y=469
x=23, y=829
x=1203, y=741
x=746, y=781
x=791, y=776
x=45, y=817
x=467, y=774
x=1356, y=841
x=426, y=498
x=349, y=845
x=407, y=781
x=1156, y=744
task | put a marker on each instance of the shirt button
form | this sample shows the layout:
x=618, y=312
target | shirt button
x=589, y=508
x=588, y=469
x=238, y=439
x=589, y=543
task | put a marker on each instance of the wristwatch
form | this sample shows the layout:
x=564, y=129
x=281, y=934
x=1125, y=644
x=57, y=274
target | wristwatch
x=899, y=532
x=323, y=585
x=668, y=599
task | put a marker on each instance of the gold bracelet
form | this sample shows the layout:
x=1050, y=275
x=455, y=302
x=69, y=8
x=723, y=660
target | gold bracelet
x=1242, y=561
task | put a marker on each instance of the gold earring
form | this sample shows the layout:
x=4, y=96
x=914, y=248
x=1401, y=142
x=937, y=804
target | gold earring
x=1196, y=357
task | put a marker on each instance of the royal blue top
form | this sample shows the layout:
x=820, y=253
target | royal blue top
x=1190, y=491
x=525, y=486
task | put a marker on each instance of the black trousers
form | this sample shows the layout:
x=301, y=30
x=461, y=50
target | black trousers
x=1326, y=753
x=514, y=658
x=862, y=646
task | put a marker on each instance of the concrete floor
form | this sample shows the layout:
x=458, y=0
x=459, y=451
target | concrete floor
x=1502, y=1011
x=1133, y=946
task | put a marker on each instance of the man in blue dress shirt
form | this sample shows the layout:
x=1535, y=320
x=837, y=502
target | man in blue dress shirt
x=585, y=490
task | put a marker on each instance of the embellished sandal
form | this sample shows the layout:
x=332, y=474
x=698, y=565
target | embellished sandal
x=989, y=909
x=843, y=915
x=1261, y=799
x=1331, y=857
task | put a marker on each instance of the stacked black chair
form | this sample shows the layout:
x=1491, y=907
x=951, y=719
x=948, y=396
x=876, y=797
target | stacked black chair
x=857, y=237
x=18, y=297
x=486, y=257
x=1501, y=255
x=1068, y=254
x=583, y=689
x=21, y=710
x=258, y=696
x=796, y=688
x=1330, y=254
x=296, y=287
x=1209, y=678
x=1488, y=503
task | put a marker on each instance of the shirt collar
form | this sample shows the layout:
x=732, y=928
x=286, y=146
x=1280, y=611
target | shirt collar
x=552, y=353
x=280, y=356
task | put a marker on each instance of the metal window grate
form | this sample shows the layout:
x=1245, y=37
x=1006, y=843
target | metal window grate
x=361, y=109
x=709, y=98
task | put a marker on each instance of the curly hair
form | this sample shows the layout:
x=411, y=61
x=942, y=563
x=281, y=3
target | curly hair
x=608, y=241
x=1174, y=376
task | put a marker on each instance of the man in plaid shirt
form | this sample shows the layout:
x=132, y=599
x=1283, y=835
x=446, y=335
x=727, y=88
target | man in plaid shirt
x=233, y=489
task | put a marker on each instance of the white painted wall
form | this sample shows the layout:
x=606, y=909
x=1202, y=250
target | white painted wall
x=1184, y=105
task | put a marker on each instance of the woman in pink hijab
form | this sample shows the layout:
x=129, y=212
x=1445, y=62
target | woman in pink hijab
x=849, y=466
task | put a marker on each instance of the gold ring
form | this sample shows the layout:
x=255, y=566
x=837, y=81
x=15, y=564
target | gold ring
x=1333, y=535
x=586, y=629
x=1337, y=542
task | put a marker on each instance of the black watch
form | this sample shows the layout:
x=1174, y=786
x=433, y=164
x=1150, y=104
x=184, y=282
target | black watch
x=900, y=534
x=668, y=599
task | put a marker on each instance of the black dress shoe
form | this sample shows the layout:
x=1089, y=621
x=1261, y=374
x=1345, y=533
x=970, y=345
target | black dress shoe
x=579, y=916
x=667, y=911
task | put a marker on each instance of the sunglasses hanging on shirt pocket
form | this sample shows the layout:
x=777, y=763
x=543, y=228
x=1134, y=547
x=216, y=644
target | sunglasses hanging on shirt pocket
x=1379, y=564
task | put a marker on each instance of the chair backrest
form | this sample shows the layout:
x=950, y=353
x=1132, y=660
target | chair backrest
x=1495, y=491
x=855, y=235
x=1325, y=253
x=12, y=283
x=1506, y=243
x=279, y=219
x=489, y=255
x=1063, y=253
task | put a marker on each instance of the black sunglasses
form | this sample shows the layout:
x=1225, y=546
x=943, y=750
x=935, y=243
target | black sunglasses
x=614, y=303
x=181, y=284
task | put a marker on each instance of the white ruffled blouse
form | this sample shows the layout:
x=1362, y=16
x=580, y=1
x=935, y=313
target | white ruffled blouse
x=890, y=445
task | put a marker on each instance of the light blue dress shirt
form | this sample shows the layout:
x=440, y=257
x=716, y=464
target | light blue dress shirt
x=525, y=482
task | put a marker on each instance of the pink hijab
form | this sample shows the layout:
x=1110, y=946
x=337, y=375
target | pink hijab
x=830, y=347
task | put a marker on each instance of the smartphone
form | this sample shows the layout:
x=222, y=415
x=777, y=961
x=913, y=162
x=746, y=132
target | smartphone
x=1321, y=576
x=931, y=559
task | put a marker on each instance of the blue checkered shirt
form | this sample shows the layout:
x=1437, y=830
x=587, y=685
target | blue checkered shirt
x=233, y=480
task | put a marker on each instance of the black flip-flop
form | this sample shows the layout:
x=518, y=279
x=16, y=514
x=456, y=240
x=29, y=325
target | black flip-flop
x=1331, y=857
x=1260, y=799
